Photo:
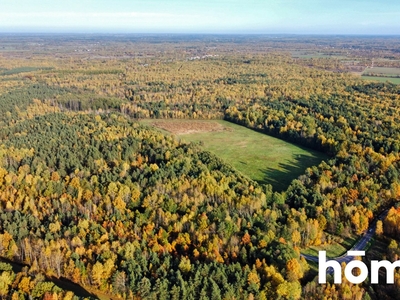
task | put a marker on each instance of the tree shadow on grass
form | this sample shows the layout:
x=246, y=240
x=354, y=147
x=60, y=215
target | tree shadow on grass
x=68, y=285
x=281, y=177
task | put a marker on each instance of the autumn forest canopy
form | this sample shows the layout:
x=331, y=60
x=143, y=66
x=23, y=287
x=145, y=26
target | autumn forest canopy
x=97, y=200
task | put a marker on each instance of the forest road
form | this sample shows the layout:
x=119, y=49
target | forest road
x=359, y=246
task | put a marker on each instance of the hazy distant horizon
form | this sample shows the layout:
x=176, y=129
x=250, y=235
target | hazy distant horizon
x=357, y=17
x=183, y=34
x=46, y=31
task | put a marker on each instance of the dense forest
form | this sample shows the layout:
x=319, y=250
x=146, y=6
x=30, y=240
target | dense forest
x=91, y=196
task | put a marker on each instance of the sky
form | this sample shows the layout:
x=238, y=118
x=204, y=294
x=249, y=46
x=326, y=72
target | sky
x=369, y=17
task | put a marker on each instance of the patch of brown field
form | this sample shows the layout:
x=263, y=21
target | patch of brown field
x=189, y=126
x=359, y=74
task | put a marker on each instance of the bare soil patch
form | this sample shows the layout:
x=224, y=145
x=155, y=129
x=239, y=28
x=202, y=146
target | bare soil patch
x=189, y=126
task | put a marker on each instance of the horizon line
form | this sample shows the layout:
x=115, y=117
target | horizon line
x=189, y=33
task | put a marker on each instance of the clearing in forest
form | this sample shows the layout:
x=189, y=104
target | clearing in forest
x=382, y=74
x=382, y=79
x=382, y=71
x=261, y=157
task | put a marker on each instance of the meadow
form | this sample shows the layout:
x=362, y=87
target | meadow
x=316, y=54
x=263, y=158
x=383, y=71
x=382, y=74
x=382, y=79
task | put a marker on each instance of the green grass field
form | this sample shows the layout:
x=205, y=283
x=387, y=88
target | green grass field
x=315, y=54
x=382, y=79
x=333, y=250
x=22, y=70
x=383, y=71
x=262, y=158
x=338, y=246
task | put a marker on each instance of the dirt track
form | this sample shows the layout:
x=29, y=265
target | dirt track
x=189, y=126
